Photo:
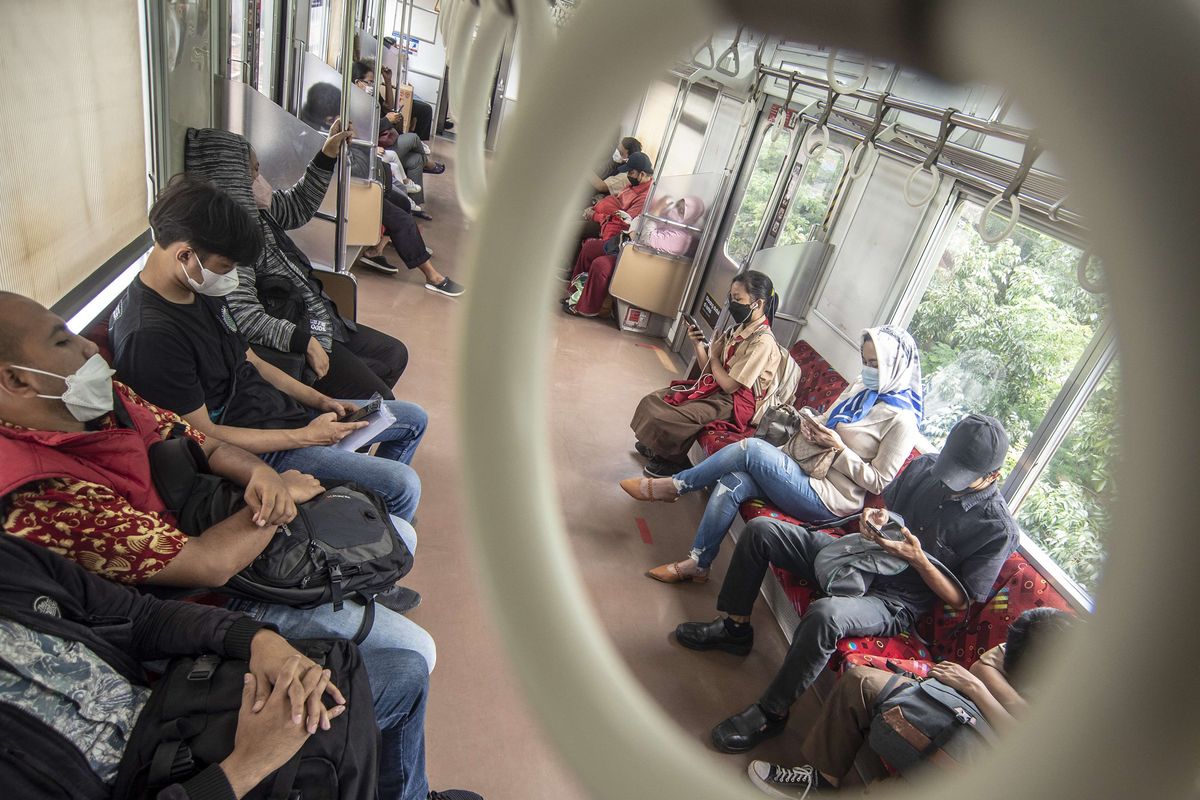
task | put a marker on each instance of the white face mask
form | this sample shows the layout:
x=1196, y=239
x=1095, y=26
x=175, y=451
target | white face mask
x=89, y=392
x=617, y=157
x=262, y=191
x=212, y=284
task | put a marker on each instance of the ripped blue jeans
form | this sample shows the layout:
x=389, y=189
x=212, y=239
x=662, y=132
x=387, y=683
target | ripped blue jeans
x=741, y=471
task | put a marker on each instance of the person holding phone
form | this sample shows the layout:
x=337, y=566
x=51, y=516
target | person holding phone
x=738, y=377
x=871, y=428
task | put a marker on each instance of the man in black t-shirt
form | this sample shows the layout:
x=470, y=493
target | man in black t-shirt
x=954, y=514
x=176, y=344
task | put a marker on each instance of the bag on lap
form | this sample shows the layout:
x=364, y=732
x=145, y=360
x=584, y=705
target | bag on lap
x=926, y=722
x=190, y=720
x=341, y=544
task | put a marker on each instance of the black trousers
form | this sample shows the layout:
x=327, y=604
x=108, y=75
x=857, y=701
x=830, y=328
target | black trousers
x=402, y=229
x=369, y=362
x=422, y=119
x=767, y=541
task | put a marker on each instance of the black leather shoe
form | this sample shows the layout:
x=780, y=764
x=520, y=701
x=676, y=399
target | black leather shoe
x=713, y=636
x=746, y=730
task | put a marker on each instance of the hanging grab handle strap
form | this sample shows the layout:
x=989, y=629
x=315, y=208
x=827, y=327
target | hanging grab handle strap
x=734, y=52
x=1032, y=151
x=943, y=135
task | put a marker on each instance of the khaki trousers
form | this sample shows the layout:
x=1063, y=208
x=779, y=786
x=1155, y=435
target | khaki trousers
x=845, y=720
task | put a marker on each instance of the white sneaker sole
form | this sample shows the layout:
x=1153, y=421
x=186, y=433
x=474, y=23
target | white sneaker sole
x=433, y=288
x=771, y=788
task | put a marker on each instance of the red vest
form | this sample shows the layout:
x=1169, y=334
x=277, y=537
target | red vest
x=117, y=458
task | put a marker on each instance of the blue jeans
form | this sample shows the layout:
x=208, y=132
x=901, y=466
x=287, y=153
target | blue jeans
x=398, y=655
x=388, y=472
x=744, y=470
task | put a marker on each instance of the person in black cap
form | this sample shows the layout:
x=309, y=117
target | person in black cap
x=611, y=216
x=953, y=511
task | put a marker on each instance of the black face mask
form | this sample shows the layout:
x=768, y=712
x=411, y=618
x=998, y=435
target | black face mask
x=740, y=311
x=634, y=181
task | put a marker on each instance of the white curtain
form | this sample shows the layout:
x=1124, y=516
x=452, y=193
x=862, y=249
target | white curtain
x=72, y=144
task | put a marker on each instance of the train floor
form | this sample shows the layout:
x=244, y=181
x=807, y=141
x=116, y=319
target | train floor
x=481, y=734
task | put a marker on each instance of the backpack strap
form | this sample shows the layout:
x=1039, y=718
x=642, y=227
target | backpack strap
x=285, y=779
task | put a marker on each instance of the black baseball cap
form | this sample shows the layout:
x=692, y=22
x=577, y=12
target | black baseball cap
x=976, y=446
x=641, y=162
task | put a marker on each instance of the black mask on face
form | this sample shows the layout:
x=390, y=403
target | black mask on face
x=740, y=311
x=634, y=181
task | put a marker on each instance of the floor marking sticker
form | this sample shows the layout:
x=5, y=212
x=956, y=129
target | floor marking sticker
x=644, y=530
x=665, y=359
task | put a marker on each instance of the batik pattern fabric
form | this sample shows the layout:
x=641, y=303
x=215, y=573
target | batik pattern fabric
x=73, y=691
x=93, y=525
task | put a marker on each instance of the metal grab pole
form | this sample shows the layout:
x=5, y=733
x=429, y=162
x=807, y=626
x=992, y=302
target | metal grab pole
x=343, y=174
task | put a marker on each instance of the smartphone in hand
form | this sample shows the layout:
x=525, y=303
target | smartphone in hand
x=890, y=529
x=364, y=411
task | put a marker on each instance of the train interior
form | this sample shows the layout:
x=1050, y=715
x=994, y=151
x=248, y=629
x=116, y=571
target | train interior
x=868, y=192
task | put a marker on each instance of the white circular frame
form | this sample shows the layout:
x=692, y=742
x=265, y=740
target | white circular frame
x=1099, y=729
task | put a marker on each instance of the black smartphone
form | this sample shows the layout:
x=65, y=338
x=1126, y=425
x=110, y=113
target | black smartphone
x=363, y=412
x=690, y=320
x=890, y=530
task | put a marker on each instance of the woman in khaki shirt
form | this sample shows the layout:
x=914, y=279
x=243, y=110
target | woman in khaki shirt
x=732, y=390
x=866, y=437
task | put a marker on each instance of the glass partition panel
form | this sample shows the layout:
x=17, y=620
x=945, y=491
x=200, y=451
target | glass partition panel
x=322, y=93
x=189, y=95
x=687, y=141
x=678, y=211
x=74, y=199
x=284, y=144
x=654, y=116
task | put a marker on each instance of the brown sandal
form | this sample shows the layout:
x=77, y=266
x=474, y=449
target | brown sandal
x=670, y=573
x=660, y=490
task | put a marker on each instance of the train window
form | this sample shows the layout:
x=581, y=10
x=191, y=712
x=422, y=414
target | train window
x=1001, y=327
x=1067, y=510
x=772, y=152
x=813, y=198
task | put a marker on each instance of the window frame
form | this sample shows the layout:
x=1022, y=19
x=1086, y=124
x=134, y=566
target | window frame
x=1097, y=357
x=826, y=223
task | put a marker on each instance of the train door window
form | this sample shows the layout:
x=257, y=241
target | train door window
x=813, y=197
x=1001, y=327
x=1067, y=510
x=772, y=153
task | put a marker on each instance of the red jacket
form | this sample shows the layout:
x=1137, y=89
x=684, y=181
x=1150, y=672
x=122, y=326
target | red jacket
x=118, y=457
x=630, y=201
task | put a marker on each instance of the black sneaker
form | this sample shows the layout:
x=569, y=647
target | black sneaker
x=643, y=451
x=379, y=263
x=662, y=468
x=447, y=287
x=401, y=599
x=454, y=794
x=772, y=777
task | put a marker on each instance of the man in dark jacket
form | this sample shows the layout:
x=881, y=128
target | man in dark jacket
x=72, y=685
x=953, y=511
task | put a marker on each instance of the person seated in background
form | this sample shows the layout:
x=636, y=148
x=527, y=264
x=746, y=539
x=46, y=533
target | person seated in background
x=320, y=112
x=363, y=75
x=76, y=478
x=347, y=359
x=613, y=179
x=177, y=344
x=613, y=215
x=868, y=432
x=1000, y=685
x=738, y=372
x=955, y=520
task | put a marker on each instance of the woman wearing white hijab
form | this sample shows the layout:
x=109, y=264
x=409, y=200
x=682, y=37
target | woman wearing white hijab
x=871, y=429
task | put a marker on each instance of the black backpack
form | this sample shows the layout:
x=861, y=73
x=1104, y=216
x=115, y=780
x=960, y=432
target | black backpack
x=926, y=722
x=341, y=544
x=190, y=720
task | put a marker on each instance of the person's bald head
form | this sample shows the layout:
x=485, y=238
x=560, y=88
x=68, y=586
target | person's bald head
x=17, y=313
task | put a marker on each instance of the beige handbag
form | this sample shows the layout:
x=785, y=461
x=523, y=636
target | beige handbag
x=814, y=459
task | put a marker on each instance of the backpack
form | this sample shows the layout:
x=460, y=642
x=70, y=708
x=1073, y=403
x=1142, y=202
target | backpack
x=926, y=722
x=341, y=542
x=190, y=720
